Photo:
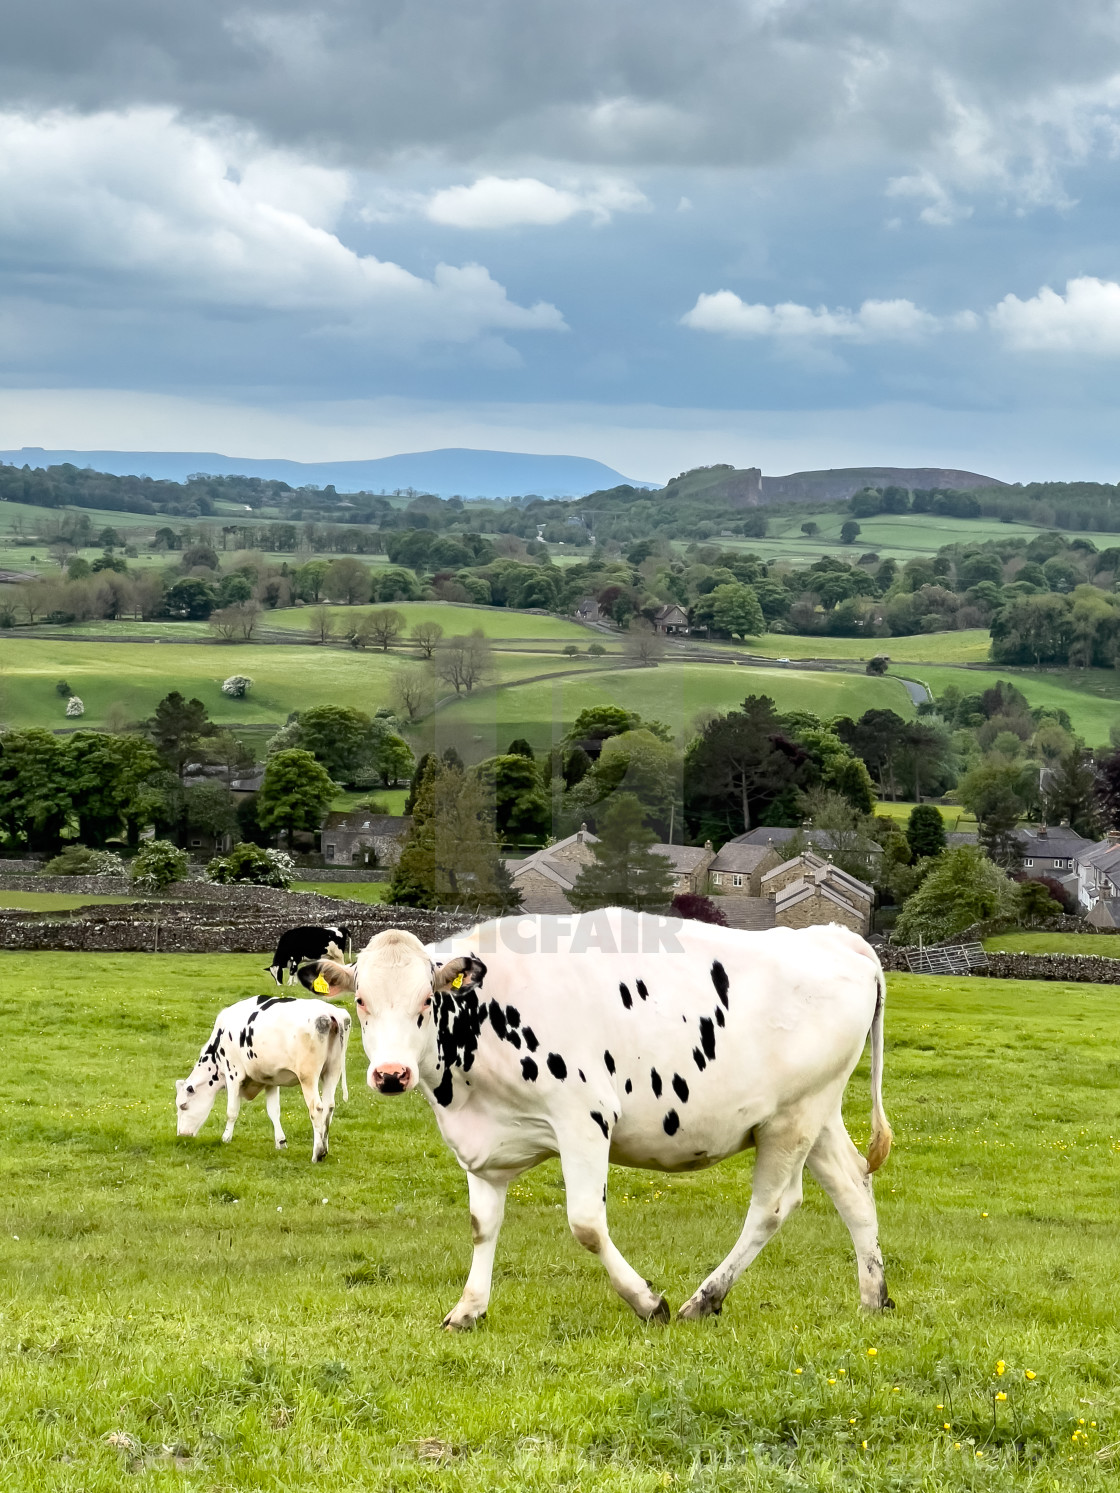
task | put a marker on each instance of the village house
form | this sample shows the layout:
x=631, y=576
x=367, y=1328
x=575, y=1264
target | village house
x=809, y=889
x=545, y=878
x=359, y=838
x=671, y=620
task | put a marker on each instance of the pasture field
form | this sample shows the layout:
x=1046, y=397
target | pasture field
x=1103, y=945
x=967, y=647
x=1092, y=696
x=348, y=891
x=135, y=676
x=498, y=623
x=954, y=816
x=228, y=1317
x=674, y=692
x=53, y=901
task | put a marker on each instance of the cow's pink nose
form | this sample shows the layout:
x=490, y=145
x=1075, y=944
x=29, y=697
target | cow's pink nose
x=392, y=1078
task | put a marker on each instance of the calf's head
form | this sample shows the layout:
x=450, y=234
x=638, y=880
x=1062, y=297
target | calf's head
x=396, y=987
x=194, y=1099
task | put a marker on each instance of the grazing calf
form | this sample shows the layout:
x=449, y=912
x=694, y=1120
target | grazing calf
x=299, y=945
x=620, y=1037
x=269, y=1042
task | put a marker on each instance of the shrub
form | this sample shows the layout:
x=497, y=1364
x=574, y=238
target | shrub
x=63, y=689
x=697, y=909
x=253, y=864
x=570, y=650
x=596, y=650
x=74, y=707
x=158, y=865
x=237, y=686
x=879, y=664
x=963, y=887
x=79, y=860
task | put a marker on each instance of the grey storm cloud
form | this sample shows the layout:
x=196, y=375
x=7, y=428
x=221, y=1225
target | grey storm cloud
x=633, y=82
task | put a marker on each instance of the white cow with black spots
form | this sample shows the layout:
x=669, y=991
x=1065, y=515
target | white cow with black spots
x=269, y=1042
x=621, y=1037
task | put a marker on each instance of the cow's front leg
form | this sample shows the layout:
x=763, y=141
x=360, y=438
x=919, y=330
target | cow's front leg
x=488, y=1206
x=585, y=1183
x=272, y=1105
x=233, y=1106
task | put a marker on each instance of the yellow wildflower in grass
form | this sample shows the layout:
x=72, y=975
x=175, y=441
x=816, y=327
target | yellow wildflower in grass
x=865, y=1446
x=941, y=1407
x=1001, y=1367
x=841, y=1372
x=1030, y=1374
x=832, y=1381
x=956, y=1446
x=852, y=1421
x=798, y=1371
x=947, y=1427
x=872, y=1352
x=1001, y=1395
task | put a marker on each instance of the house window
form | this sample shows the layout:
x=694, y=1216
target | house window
x=717, y=878
x=196, y=842
x=1028, y=863
x=330, y=852
x=737, y=879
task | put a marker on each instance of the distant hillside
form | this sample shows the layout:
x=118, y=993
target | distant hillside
x=839, y=483
x=470, y=474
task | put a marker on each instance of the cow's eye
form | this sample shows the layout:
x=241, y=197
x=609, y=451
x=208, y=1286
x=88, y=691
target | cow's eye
x=358, y=1001
x=426, y=1004
x=190, y=1088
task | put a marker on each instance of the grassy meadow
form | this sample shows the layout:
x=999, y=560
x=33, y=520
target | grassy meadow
x=969, y=646
x=206, y=1317
x=1103, y=945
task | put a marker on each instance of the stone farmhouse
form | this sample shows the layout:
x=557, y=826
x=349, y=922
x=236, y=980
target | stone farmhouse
x=359, y=838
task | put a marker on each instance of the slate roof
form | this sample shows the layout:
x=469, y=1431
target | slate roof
x=781, y=834
x=361, y=821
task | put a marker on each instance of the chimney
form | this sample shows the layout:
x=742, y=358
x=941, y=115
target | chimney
x=708, y=846
x=1042, y=832
x=582, y=831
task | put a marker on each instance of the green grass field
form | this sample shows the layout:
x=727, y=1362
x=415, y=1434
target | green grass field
x=348, y=891
x=53, y=901
x=674, y=693
x=968, y=647
x=1092, y=696
x=955, y=818
x=135, y=676
x=1103, y=945
x=496, y=622
x=211, y=1317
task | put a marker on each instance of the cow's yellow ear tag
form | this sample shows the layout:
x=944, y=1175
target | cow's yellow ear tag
x=457, y=981
x=320, y=986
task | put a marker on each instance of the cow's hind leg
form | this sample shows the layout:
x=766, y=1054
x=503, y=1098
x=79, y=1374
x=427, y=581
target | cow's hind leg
x=488, y=1206
x=272, y=1105
x=585, y=1183
x=775, y=1193
x=320, y=1119
x=842, y=1172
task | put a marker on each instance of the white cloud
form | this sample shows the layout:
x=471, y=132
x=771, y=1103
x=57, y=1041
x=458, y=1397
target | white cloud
x=142, y=201
x=876, y=321
x=508, y=202
x=1086, y=319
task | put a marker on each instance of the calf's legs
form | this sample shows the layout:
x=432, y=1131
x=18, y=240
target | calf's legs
x=585, y=1183
x=272, y=1105
x=233, y=1107
x=775, y=1193
x=842, y=1172
x=488, y=1206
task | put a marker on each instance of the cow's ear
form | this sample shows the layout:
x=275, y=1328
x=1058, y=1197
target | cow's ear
x=327, y=977
x=459, y=974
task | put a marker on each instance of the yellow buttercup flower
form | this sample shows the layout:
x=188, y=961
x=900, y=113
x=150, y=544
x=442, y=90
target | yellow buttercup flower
x=947, y=1427
x=1030, y=1374
x=1001, y=1367
x=872, y=1352
x=1001, y=1395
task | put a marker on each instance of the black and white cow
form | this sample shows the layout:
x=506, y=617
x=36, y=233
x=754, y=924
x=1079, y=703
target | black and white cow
x=621, y=1037
x=299, y=945
x=269, y=1042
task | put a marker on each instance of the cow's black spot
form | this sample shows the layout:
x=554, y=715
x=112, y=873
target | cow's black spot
x=530, y=1038
x=498, y=1021
x=671, y=1123
x=513, y=1016
x=264, y=1001
x=642, y=991
x=655, y=1082
x=629, y=1087
x=699, y=1059
x=557, y=1066
x=609, y=1062
x=458, y=1024
x=602, y=1124
x=514, y=1040
x=244, y=1037
x=581, y=1077
x=708, y=1037
x=719, y=1016
x=624, y=991
x=680, y=1088
x=529, y=1070
x=444, y=1091
x=720, y=980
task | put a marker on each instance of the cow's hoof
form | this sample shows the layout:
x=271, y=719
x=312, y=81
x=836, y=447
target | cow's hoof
x=661, y=1313
x=460, y=1320
x=281, y=1145
x=703, y=1304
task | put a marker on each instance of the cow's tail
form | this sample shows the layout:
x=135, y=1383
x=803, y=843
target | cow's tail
x=879, y=1147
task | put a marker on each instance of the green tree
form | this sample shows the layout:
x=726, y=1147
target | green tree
x=964, y=887
x=344, y=740
x=522, y=812
x=635, y=762
x=925, y=831
x=191, y=598
x=178, y=728
x=295, y=793
x=741, y=771
x=997, y=793
x=311, y=580
x=849, y=531
x=735, y=611
x=626, y=872
x=35, y=802
x=451, y=857
x=392, y=759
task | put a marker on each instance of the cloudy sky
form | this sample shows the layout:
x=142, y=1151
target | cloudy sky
x=792, y=233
